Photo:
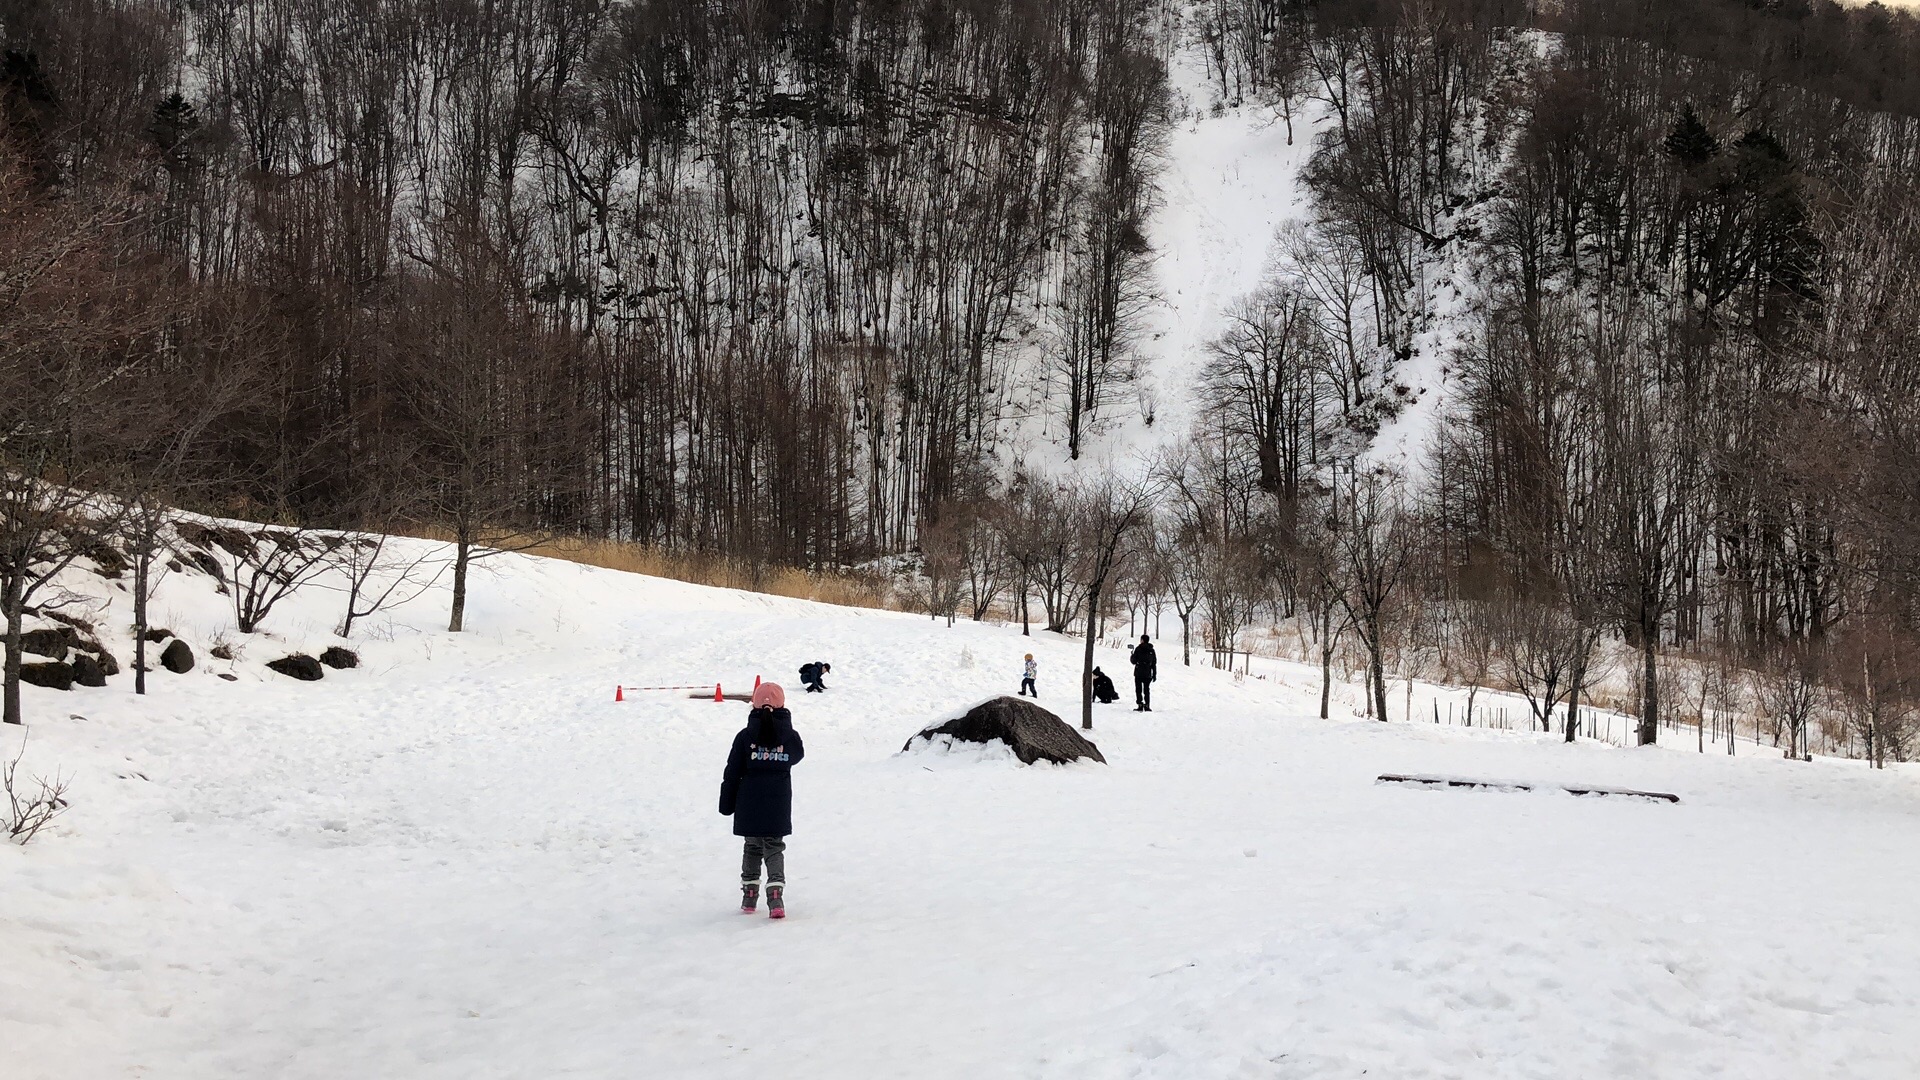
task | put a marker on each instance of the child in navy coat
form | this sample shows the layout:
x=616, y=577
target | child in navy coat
x=757, y=791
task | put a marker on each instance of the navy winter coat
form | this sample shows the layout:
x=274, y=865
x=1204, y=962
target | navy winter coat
x=757, y=789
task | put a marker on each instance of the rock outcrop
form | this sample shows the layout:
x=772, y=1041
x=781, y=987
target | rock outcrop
x=177, y=657
x=1033, y=733
x=340, y=659
x=52, y=675
x=298, y=666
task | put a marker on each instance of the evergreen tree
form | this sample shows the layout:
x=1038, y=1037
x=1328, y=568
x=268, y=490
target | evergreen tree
x=1690, y=142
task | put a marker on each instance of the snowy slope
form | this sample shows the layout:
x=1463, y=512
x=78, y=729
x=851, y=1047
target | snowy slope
x=465, y=860
x=1231, y=180
x=1228, y=181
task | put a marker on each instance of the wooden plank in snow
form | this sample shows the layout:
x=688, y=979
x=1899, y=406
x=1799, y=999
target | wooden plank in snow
x=1424, y=780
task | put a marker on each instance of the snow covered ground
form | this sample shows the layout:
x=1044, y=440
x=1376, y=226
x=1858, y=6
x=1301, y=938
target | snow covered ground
x=465, y=860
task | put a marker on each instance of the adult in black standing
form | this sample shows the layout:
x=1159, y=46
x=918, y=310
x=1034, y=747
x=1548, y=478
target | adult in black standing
x=1146, y=668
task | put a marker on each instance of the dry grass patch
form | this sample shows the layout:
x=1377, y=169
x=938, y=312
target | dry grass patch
x=849, y=589
x=845, y=589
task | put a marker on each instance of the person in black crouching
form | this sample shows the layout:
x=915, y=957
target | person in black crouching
x=1103, y=691
x=812, y=674
x=757, y=791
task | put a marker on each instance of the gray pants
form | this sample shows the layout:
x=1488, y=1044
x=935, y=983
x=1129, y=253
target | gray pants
x=771, y=848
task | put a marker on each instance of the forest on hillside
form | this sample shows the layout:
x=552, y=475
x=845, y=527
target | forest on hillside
x=783, y=280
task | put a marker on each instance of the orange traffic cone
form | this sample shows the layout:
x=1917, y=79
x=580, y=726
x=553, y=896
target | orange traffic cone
x=717, y=695
x=756, y=682
x=619, y=693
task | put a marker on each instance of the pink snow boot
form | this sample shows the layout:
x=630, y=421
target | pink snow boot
x=749, y=897
x=776, y=904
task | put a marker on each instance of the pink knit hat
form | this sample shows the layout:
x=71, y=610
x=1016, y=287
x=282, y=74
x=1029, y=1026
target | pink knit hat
x=770, y=695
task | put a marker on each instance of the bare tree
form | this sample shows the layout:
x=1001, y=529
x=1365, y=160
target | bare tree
x=143, y=534
x=379, y=577
x=72, y=328
x=943, y=569
x=263, y=567
x=1059, y=554
x=1027, y=522
x=1320, y=586
x=1792, y=690
x=44, y=528
x=1882, y=679
x=165, y=456
x=1263, y=378
x=494, y=418
x=1475, y=629
x=1373, y=550
x=1111, y=516
x=1230, y=575
x=29, y=811
x=1542, y=643
x=1178, y=546
x=983, y=552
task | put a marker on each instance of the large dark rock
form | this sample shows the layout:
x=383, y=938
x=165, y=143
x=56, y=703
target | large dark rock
x=177, y=657
x=53, y=676
x=52, y=642
x=87, y=671
x=1034, y=733
x=339, y=658
x=298, y=666
x=108, y=664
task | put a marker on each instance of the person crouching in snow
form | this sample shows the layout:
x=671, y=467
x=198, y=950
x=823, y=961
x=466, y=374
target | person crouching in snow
x=1026, y=677
x=1103, y=691
x=757, y=791
x=813, y=674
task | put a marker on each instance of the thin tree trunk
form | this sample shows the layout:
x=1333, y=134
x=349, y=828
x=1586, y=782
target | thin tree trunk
x=1086, y=664
x=15, y=618
x=1328, y=643
x=1326, y=680
x=353, y=602
x=1650, y=691
x=462, y=548
x=1378, y=664
x=142, y=573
